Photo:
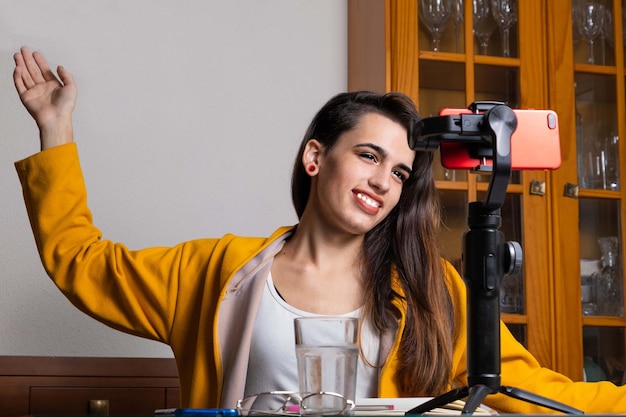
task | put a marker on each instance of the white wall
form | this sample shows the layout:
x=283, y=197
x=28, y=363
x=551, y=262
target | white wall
x=188, y=119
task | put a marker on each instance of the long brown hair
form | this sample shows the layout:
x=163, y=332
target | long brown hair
x=405, y=243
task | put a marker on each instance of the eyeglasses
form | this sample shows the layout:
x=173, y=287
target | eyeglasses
x=294, y=404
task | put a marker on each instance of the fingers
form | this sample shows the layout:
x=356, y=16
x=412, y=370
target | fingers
x=66, y=77
x=42, y=68
x=25, y=69
x=17, y=74
x=31, y=74
x=31, y=69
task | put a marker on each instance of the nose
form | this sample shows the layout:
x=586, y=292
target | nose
x=380, y=179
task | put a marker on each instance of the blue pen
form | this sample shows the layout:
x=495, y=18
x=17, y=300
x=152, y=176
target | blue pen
x=197, y=412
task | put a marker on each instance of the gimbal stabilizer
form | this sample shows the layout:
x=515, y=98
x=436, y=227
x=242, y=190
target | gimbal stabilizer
x=486, y=256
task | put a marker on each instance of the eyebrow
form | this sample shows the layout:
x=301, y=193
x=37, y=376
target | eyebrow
x=383, y=153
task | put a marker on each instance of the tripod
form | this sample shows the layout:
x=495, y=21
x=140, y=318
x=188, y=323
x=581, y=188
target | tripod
x=486, y=256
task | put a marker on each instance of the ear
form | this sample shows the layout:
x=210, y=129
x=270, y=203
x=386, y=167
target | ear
x=311, y=156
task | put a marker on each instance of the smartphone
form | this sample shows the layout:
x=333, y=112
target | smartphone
x=535, y=144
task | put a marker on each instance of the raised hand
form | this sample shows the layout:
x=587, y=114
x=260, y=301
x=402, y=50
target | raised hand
x=49, y=100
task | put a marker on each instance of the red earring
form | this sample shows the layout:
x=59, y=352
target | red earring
x=311, y=168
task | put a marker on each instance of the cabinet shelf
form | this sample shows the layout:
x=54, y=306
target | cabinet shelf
x=604, y=194
x=514, y=318
x=452, y=185
x=442, y=56
x=480, y=186
x=604, y=321
x=511, y=189
x=497, y=61
x=478, y=59
x=595, y=69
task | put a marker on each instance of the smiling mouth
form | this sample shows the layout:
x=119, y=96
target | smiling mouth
x=368, y=200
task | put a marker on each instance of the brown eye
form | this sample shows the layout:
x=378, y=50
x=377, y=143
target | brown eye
x=368, y=156
x=400, y=174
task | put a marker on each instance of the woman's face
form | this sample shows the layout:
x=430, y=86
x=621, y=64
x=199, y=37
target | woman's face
x=360, y=179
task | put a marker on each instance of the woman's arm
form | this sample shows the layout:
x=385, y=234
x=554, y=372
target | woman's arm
x=48, y=99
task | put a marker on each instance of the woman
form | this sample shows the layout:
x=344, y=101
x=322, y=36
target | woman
x=364, y=245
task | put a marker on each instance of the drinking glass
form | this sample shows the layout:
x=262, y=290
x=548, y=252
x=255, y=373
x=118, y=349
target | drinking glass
x=484, y=24
x=608, y=280
x=327, y=352
x=457, y=19
x=575, y=30
x=435, y=14
x=607, y=36
x=590, y=23
x=505, y=14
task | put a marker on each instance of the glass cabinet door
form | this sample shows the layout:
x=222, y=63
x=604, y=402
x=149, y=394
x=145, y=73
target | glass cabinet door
x=586, y=68
x=468, y=51
x=597, y=139
x=448, y=54
x=599, y=119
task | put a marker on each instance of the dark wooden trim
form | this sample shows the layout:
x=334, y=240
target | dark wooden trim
x=87, y=366
x=64, y=385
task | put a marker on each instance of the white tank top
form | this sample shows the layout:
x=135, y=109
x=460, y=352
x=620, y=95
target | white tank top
x=273, y=365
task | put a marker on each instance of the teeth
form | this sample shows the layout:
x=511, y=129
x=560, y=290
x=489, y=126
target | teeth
x=367, y=200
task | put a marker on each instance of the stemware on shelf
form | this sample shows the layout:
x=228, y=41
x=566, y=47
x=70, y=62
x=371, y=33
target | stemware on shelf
x=484, y=24
x=607, y=36
x=575, y=31
x=457, y=20
x=436, y=15
x=608, y=280
x=590, y=17
x=505, y=14
x=598, y=157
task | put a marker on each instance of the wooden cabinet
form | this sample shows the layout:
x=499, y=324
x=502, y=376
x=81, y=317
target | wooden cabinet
x=81, y=386
x=557, y=220
x=588, y=92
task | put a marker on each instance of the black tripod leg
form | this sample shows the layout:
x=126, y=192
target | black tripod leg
x=443, y=399
x=536, y=399
x=477, y=394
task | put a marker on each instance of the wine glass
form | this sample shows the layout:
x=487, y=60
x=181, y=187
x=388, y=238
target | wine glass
x=607, y=36
x=505, y=14
x=435, y=14
x=484, y=25
x=575, y=30
x=457, y=19
x=590, y=23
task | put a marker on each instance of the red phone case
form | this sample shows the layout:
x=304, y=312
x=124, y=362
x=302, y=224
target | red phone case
x=535, y=144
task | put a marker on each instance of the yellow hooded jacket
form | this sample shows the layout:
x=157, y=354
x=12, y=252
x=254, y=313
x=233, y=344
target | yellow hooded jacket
x=201, y=297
